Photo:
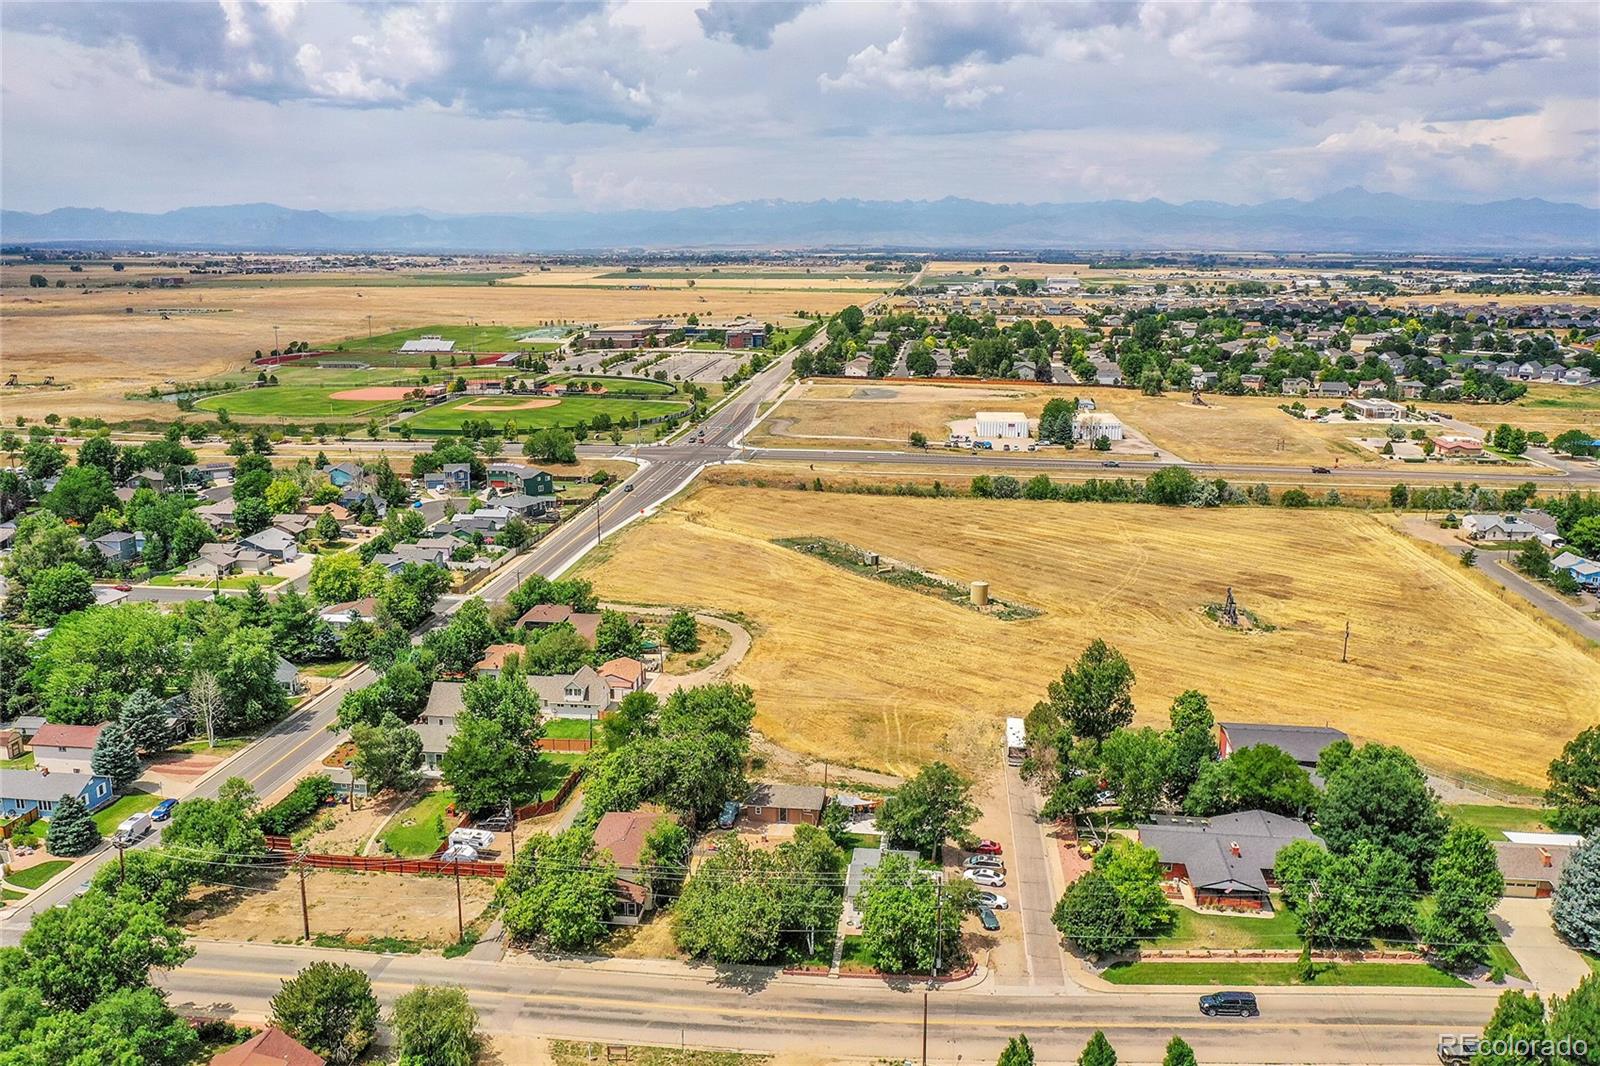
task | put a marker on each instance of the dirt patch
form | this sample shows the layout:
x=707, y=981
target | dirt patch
x=373, y=392
x=357, y=907
x=510, y=405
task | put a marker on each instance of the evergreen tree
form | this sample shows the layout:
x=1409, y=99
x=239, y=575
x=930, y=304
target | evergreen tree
x=1179, y=1053
x=114, y=757
x=1018, y=1052
x=144, y=721
x=1576, y=911
x=254, y=608
x=72, y=830
x=1098, y=1052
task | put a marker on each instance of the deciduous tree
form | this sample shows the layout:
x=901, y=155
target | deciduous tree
x=560, y=891
x=928, y=810
x=435, y=1026
x=1381, y=796
x=1093, y=696
x=1574, y=789
x=329, y=1008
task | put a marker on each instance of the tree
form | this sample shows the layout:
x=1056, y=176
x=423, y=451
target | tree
x=1193, y=741
x=251, y=515
x=1136, y=763
x=327, y=528
x=905, y=927
x=664, y=857
x=741, y=902
x=330, y=1009
x=1467, y=884
x=127, y=1026
x=1518, y=1022
x=82, y=493
x=1260, y=777
x=93, y=948
x=493, y=758
x=1574, y=1020
x=1533, y=560
x=560, y=891
x=617, y=635
x=72, y=829
x=1134, y=873
x=1173, y=486
x=1092, y=918
x=388, y=755
x=297, y=633
x=408, y=597
x=338, y=578
x=682, y=632
x=634, y=716
x=1018, y=1052
x=202, y=830
x=1098, y=1052
x=1576, y=910
x=928, y=810
x=58, y=592
x=1179, y=1053
x=282, y=495
x=1380, y=795
x=1093, y=696
x=114, y=757
x=1574, y=790
x=1346, y=899
x=435, y=1026
x=205, y=703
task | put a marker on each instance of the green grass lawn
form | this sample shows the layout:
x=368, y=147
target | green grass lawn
x=570, y=729
x=34, y=876
x=427, y=830
x=467, y=338
x=1500, y=955
x=108, y=818
x=23, y=762
x=620, y=386
x=1194, y=930
x=554, y=768
x=236, y=582
x=1398, y=974
x=447, y=417
x=1592, y=960
x=296, y=401
x=328, y=669
x=200, y=747
x=1496, y=820
x=860, y=840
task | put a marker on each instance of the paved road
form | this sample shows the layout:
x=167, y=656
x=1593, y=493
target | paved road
x=1047, y=463
x=639, y=1001
x=1495, y=566
x=1030, y=886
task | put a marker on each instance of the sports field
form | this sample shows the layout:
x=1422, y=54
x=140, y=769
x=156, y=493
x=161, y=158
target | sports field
x=856, y=670
x=619, y=386
x=530, y=413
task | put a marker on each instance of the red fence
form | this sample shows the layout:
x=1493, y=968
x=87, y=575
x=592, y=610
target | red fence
x=553, y=804
x=565, y=744
x=381, y=865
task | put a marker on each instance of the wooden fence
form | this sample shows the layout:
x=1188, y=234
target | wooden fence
x=282, y=846
x=565, y=744
x=27, y=817
x=553, y=804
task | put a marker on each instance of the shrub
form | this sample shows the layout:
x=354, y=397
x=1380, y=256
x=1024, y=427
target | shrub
x=289, y=813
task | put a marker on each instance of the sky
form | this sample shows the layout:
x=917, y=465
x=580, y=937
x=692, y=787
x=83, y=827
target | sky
x=511, y=107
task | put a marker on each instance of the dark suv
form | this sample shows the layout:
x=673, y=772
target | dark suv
x=1240, y=1003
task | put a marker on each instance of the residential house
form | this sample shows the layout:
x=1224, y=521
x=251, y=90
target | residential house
x=1578, y=375
x=1585, y=572
x=1525, y=525
x=22, y=791
x=545, y=615
x=512, y=477
x=223, y=560
x=341, y=513
x=494, y=659
x=1532, y=870
x=623, y=833
x=1372, y=387
x=622, y=676
x=437, y=722
x=485, y=520
x=1412, y=390
x=148, y=478
x=1333, y=390
x=520, y=503
x=578, y=695
x=270, y=1047
x=1296, y=387
x=862, y=862
x=287, y=677
x=343, y=475
x=217, y=515
x=1252, y=382
x=27, y=724
x=777, y=804
x=119, y=547
x=1455, y=446
x=294, y=524
x=274, y=543
x=859, y=367
x=65, y=749
x=1226, y=861
x=1304, y=743
x=452, y=477
x=208, y=473
x=339, y=615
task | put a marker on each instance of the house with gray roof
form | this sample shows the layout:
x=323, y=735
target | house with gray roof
x=579, y=695
x=776, y=803
x=273, y=543
x=22, y=791
x=1226, y=861
x=437, y=722
x=1304, y=743
x=862, y=862
x=1531, y=871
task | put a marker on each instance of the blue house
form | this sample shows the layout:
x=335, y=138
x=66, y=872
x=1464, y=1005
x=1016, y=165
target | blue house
x=24, y=790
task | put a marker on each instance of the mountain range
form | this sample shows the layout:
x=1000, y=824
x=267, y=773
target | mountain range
x=1352, y=220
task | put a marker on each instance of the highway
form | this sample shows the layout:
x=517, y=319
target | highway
x=640, y=1001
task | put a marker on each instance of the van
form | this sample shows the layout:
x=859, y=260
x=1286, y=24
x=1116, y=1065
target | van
x=132, y=828
x=477, y=838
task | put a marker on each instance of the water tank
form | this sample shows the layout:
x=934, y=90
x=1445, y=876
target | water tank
x=869, y=558
x=980, y=594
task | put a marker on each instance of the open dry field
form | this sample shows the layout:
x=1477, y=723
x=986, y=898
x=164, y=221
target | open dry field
x=90, y=341
x=735, y=278
x=858, y=671
x=1228, y=430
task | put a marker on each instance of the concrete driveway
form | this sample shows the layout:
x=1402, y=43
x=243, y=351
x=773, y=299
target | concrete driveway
x=1554, y=968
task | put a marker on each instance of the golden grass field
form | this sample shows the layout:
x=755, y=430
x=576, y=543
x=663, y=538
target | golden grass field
x=1228, y=430
x=89, y=341
x=771, y=279
x=857, y=671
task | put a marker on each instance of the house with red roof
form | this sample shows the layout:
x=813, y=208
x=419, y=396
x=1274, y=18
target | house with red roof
x=622, y=676
x=622, y=833
x=270, y=1047
x=65, y=749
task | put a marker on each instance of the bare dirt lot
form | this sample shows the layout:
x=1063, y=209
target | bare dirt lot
x=862, y=672
x=356, y=907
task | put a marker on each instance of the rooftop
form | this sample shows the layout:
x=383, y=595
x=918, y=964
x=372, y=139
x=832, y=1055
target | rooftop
x=1303, y=742
x=67, y=736
x=1228, y=852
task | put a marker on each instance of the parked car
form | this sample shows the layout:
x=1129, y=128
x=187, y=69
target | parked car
x=987, y=917
x=992, y=900
x=163, y=810
x=1241, y=1003
x=123, y=587
x=1110, y=462
x=133, y=827
x=986, y=878
x=988, y=847
x=729, y=815
x=987, y=862
x=1458, y=1050
x=1320, y=470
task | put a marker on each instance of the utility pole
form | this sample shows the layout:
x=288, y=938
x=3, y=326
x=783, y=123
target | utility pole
x=1344, y=656
x=461, y=925
x=924, y=1028
x=305, y=910
x=122, y=864
x=938, y=931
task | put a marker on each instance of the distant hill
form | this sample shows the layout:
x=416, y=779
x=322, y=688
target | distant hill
x=1352, y=220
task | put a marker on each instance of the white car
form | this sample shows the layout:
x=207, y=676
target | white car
x=986, y=862
x=993, y=900
x=986, y=878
